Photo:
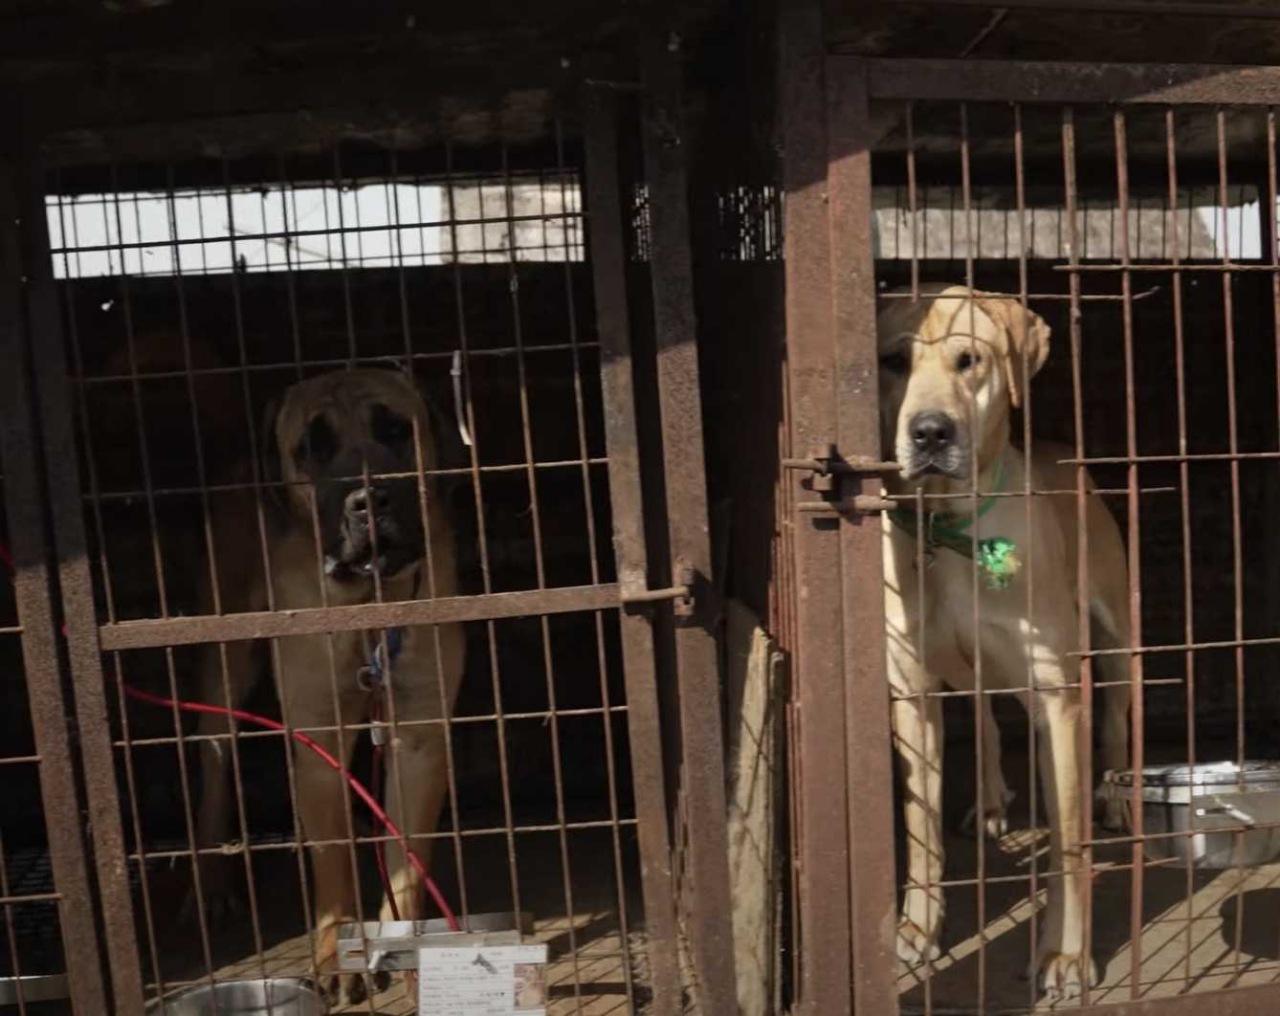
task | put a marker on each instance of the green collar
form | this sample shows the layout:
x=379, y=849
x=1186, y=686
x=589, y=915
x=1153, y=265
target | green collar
x=996, y=557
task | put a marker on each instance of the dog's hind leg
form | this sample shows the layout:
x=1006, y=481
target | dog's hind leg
x=996, y=795
x=226, y=678
x=1112, y=632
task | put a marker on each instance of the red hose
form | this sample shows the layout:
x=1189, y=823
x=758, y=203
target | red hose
x=370, y=801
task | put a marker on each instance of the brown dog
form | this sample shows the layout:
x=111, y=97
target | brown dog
x=333, y=540
x=953, y=365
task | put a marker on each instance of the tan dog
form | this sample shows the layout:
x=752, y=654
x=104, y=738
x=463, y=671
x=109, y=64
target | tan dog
x=329, y=536
x=953, y=364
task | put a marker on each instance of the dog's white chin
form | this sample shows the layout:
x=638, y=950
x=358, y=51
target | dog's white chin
x=335, y=565
x=910, y=473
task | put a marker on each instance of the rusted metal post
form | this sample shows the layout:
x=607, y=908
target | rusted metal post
x=869, y=755
x=66, y=506
x=608, y=263
x=702, y=736
x=23, y=510
x=821, y=847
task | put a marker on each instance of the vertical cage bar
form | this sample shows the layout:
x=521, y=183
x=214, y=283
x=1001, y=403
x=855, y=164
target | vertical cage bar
x=1075, y=294
x=1028, y=416
x=867, y=742
x=572, y=240
x=39, y=646
x=101, y=792
x=1184, y=491
x=820, y=847
x=1135, y=661
x=675, y=328
x=608, y=263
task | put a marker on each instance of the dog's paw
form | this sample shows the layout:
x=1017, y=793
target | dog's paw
x=995, y=819
x=920, y=926
x=1110, y=810
x=916, y=946
x=1062, y=976
x=344, y=990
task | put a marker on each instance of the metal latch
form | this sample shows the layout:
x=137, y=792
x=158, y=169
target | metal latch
x=826, y=465
x=635, y=592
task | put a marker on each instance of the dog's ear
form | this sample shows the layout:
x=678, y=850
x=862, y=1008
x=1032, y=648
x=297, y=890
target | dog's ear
x=1028, y=336
x=269, y=454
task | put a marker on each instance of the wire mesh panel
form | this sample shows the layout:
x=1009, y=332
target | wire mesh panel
x=343, y=459
x=1075, y=339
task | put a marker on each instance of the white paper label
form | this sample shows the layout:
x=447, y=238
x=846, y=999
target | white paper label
x=483, y=981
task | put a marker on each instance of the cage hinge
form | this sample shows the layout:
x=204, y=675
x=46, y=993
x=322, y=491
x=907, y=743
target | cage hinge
x=825, y=467
x=635, y=593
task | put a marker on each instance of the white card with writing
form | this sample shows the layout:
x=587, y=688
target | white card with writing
x=507, y=980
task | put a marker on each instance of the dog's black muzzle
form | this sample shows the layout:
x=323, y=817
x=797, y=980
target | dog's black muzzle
x=376, y=530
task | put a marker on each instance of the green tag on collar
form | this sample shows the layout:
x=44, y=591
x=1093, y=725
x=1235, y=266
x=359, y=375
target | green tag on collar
x=998, y=558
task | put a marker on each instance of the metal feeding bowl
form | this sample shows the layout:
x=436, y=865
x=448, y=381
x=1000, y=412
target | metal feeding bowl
x=1231, y=811
x=274, y=996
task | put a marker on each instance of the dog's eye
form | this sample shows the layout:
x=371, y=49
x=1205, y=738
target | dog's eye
x=318, y=445
x=894, y=363
x=966, y=360
x=390, y=428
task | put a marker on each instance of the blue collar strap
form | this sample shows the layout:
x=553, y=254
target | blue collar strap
x=385, y=653
x=386, y=650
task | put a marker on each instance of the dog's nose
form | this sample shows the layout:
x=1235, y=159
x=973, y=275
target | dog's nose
x=359, y=501
x=932, y=432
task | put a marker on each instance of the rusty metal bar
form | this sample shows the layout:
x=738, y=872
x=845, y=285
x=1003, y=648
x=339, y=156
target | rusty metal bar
x=867, y=744
x=1137, y=745
x=34, y=596
x=1153, y=8
x=1258, y=1000
x=1049, y=82
x=608, y=261
x=101, y=792
x=186, y=631
x=821, y=844
x=239, y=370
x=657, y=595
x=342, y=230
x=675, y=329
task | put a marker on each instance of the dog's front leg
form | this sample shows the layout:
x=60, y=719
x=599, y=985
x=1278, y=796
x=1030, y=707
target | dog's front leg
x=417, y=781
x=322, y=810
x=1063, y=962
x=417, y=762
x=917, y=738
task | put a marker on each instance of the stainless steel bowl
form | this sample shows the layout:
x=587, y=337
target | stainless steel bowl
x=33, y=988
x=1232, y=812
x=277, y=996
